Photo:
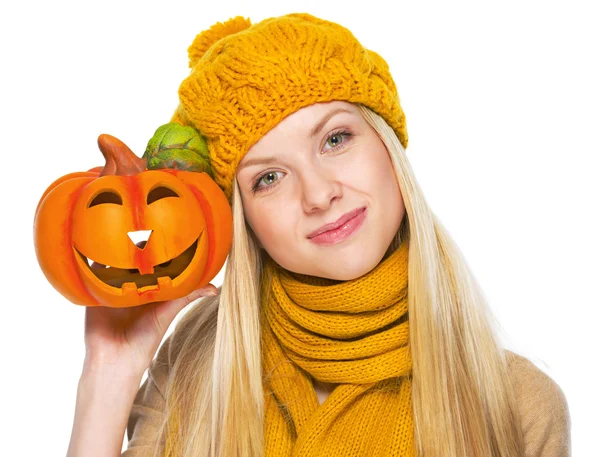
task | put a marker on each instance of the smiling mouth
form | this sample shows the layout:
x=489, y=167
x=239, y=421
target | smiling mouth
x=163, y=273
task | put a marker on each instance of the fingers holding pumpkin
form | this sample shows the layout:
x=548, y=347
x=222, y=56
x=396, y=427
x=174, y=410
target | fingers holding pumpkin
x=166, y=311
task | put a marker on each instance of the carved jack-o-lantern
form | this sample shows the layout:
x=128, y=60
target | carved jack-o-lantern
x=124, y=235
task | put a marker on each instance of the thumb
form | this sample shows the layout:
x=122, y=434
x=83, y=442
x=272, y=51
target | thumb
x=166, y=311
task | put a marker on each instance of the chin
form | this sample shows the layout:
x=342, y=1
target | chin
x=345, y=267
x=345, y=271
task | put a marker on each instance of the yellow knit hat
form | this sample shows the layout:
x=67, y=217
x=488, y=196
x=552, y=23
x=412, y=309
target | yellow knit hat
x=246, y=78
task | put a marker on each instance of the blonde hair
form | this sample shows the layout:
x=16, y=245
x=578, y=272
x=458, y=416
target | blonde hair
x=463, y=399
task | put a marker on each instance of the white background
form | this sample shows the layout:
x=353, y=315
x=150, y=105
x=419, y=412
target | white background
x=502, y=103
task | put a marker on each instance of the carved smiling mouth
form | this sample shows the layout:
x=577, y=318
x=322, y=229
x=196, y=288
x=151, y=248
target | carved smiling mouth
x=163, y=273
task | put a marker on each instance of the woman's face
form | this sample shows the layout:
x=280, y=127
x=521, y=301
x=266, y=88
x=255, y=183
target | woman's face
x=315, y=166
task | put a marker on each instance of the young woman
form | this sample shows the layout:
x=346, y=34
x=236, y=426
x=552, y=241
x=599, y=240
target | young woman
x=348, y=323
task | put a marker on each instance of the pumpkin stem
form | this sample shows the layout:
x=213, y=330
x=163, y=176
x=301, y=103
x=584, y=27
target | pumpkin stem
x=120, y=160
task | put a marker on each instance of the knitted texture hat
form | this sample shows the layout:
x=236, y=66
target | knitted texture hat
x=246, y=78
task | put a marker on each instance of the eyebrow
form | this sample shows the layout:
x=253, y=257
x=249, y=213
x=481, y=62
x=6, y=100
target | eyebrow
x=314, y=132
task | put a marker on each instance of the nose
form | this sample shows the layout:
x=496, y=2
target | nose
x=319, y=188
x=139, y=237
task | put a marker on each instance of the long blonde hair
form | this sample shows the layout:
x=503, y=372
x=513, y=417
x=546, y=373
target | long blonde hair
x=463, y=399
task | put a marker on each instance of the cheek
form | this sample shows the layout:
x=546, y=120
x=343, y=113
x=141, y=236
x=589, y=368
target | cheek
x=270, y=223
x=374, y=175
x=386, y=177
x=370, y=174
x=383, y=170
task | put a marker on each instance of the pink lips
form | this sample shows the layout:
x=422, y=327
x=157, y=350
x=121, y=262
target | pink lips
x=340, y=229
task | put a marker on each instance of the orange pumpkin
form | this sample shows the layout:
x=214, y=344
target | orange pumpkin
x=86, y=225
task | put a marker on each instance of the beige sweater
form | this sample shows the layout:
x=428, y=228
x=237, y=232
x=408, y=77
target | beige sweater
x=542, y=405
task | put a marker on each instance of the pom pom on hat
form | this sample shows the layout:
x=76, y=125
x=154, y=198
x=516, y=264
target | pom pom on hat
x=246, y=78
x=206, y=39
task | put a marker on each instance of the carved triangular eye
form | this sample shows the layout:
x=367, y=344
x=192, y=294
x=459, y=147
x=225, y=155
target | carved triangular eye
x=106, y=197
x=159, y=193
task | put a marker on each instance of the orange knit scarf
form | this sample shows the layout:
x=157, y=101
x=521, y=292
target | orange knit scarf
x=354, y=334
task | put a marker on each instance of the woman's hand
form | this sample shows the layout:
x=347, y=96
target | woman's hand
x=120, y=345
x=123, y=341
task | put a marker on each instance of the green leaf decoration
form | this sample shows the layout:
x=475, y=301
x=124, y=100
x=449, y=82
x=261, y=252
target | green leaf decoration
x=179, y=147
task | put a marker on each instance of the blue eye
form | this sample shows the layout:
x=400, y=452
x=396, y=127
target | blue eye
x=257, y=188
x=336, y=140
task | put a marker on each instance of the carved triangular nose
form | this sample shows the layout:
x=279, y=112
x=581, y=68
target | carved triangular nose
x=140, y=237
